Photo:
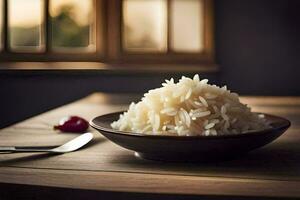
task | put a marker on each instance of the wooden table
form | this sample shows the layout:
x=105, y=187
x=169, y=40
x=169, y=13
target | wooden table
x=272, y=171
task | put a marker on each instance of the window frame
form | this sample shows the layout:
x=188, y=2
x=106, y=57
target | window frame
x=109, y=47
x=48, y=54
x=117, y=54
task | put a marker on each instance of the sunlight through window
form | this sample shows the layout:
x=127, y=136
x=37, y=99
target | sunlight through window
x=1, y=24
x=187, y=25
x=25, y=21
x=116, y=32
x=145, y=25
x=72, y=22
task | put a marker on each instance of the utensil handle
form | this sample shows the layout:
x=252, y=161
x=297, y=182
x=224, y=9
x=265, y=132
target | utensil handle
x=26, y=149
x=7, y=149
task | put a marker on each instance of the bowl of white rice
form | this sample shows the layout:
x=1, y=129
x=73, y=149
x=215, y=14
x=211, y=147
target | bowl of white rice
x=189, y=120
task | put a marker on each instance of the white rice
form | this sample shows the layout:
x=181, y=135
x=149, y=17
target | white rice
x=187, y=108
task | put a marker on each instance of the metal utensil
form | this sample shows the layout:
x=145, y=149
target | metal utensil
x=70, y=146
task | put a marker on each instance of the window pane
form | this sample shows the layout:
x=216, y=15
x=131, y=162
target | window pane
x=71, y=23
x=25, y=24
x=187, y=25
x=1, y=24
x=145, y=25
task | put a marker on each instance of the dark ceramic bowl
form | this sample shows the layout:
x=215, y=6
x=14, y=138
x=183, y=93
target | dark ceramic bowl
x=190, y=148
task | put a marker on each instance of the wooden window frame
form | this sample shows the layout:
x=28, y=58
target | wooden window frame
x=117, y=54
x=109, y=47
x=48, y=54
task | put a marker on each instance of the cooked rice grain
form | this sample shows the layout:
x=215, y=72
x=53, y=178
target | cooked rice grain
x=187, y=108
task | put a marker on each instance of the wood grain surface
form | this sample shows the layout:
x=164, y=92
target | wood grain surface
x=272, y=171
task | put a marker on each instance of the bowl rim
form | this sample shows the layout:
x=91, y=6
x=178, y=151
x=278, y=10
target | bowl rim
x=284, y=125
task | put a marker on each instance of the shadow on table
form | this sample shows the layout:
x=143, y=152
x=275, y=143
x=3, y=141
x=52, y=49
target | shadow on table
x=24, y=192
x=271, y=162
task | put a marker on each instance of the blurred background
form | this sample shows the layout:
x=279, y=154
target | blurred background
x=54, y=52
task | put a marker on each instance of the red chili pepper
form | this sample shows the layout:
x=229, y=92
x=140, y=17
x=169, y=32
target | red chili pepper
x=72, y=124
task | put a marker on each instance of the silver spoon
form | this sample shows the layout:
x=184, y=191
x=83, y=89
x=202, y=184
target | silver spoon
x=70, y=146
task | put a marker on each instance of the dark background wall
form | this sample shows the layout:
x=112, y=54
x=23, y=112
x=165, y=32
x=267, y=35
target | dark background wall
x=257, y=49
x=258, y=45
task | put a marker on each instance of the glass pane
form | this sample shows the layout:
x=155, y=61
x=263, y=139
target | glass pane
x=1, y=24
x=145, y=25
x=25, y=19
x=71, y=23
x=186, y=25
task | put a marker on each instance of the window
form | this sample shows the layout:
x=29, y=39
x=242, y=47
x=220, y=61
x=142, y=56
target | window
x=153, y=26
x=107, y=31
x=25, y=30
x=144, y=26
x=75, y=31
x=1, y=25
x=51, y=30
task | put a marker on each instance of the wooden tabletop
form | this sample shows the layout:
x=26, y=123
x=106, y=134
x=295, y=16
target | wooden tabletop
x=272, y=171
